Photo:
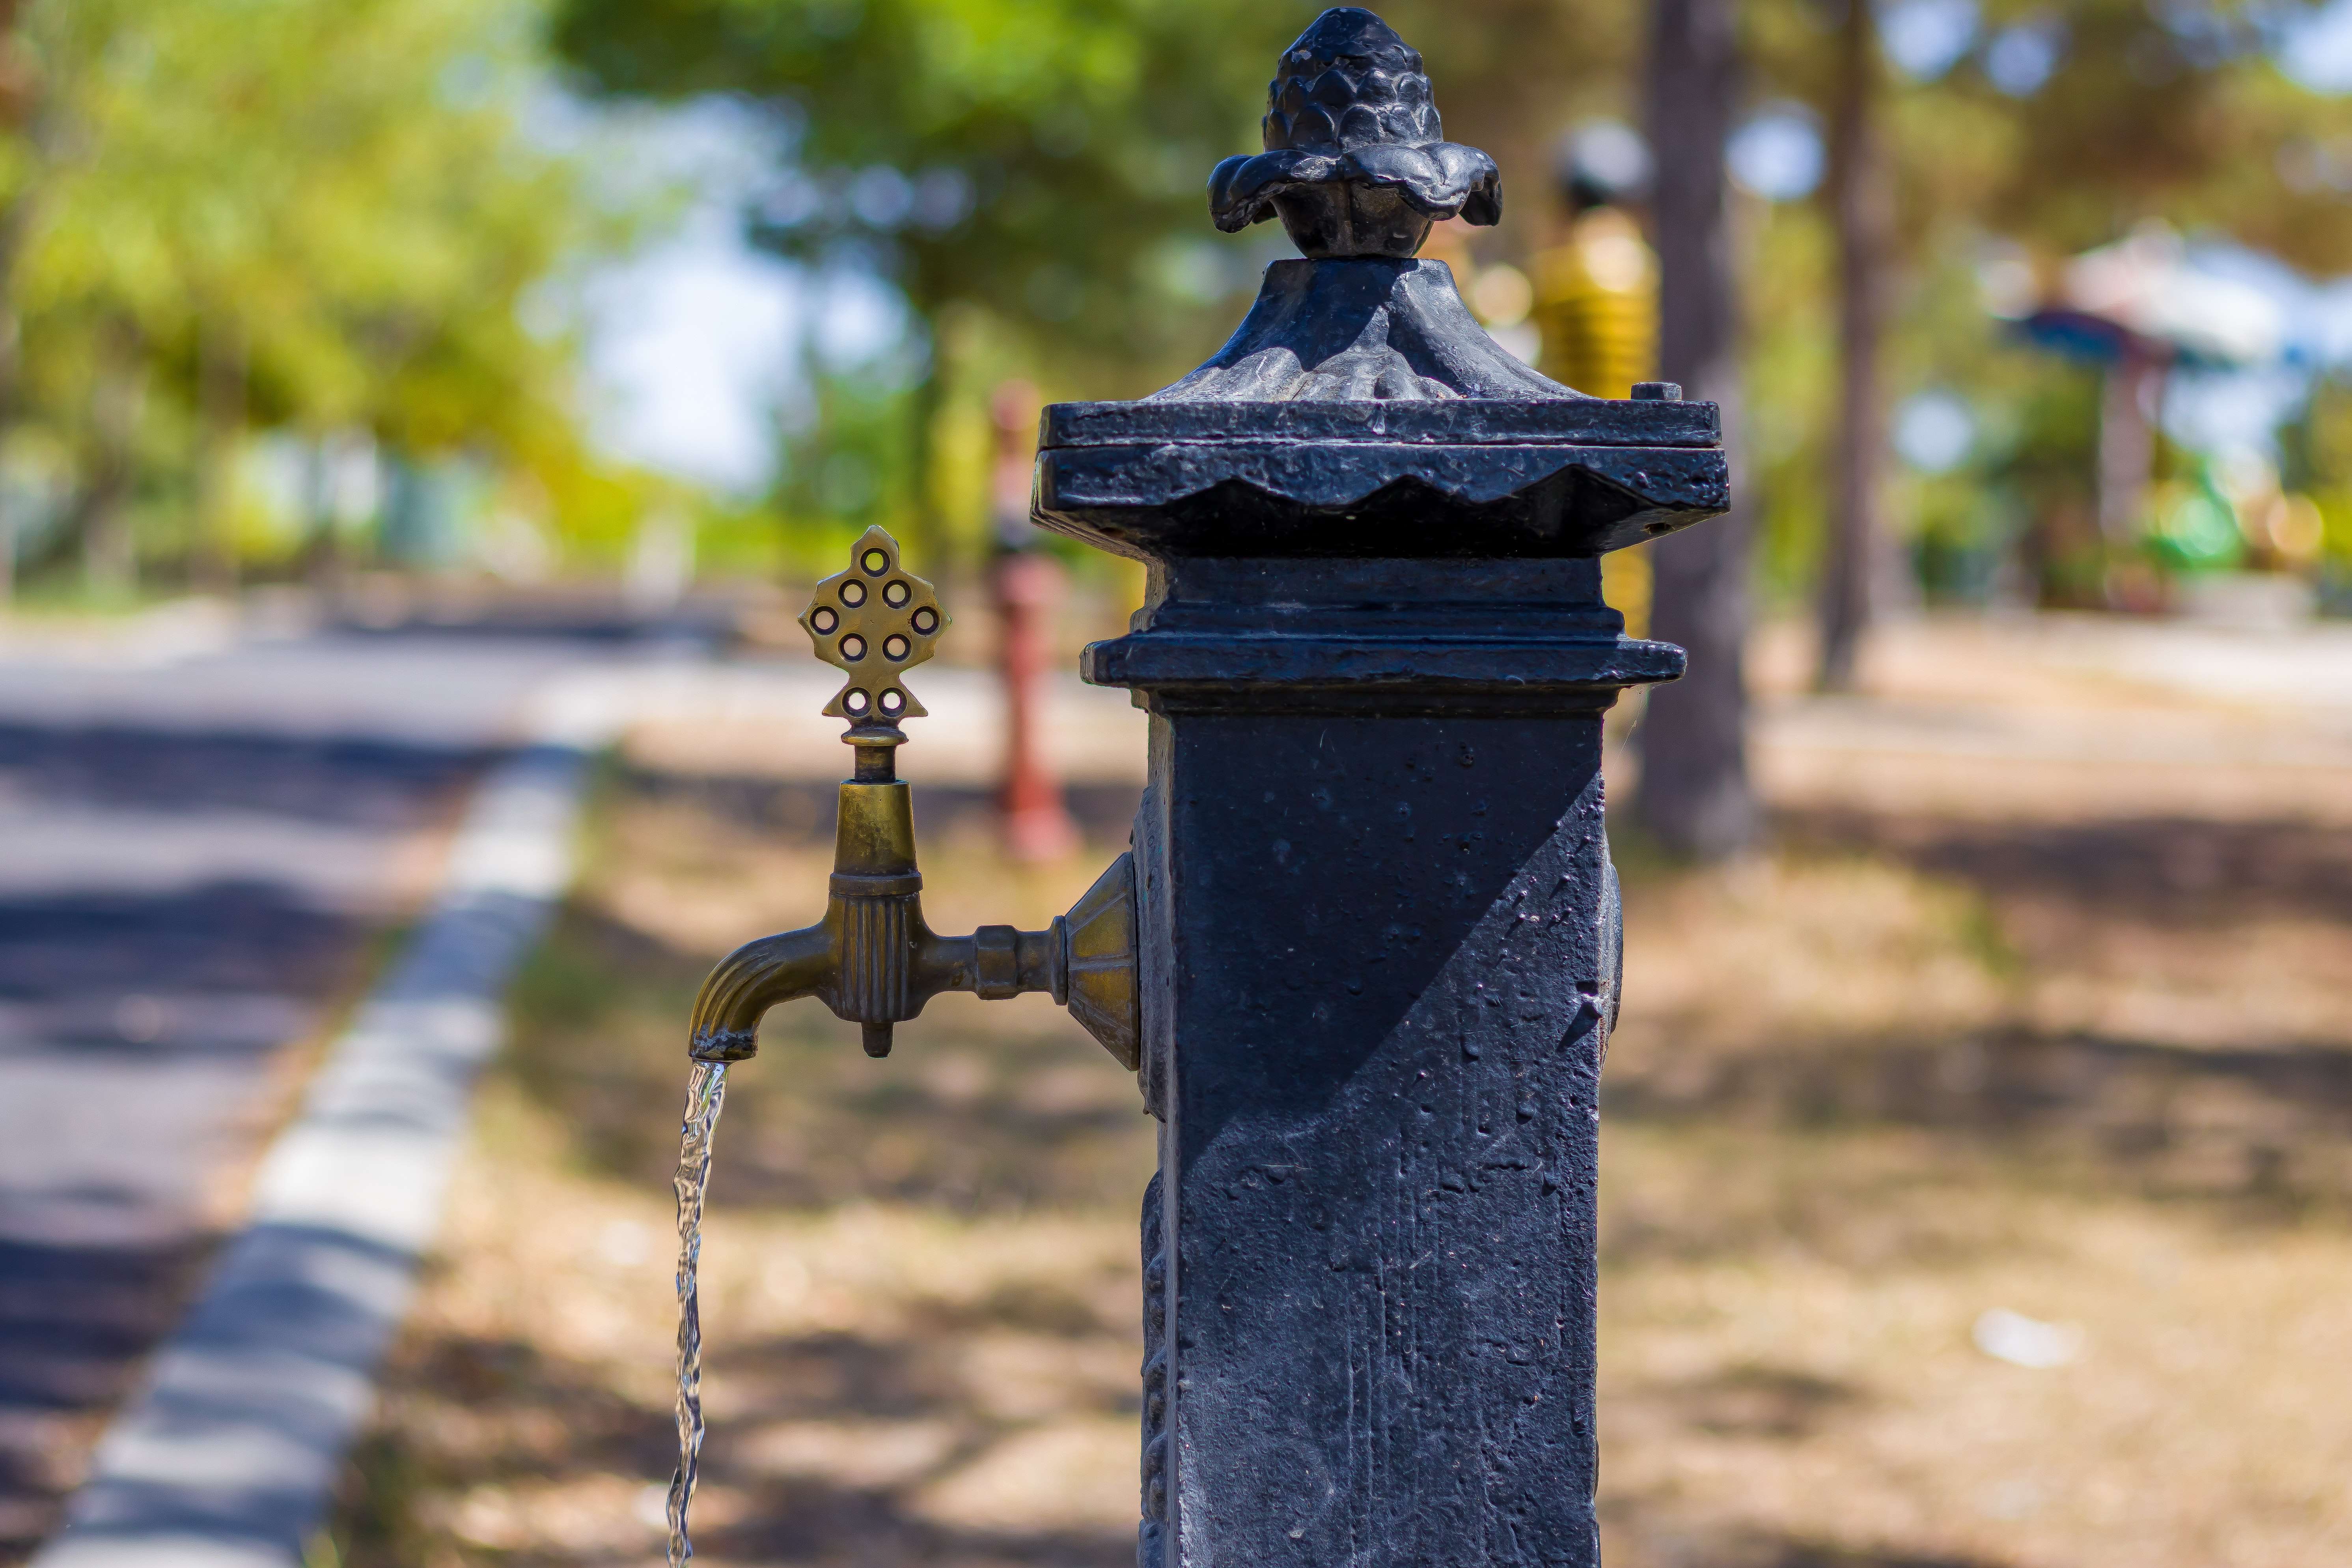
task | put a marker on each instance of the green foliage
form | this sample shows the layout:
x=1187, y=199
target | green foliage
x=2184, y=122
x=339, y=184
x=311, y=215
x=2318, y=445
x=849, y=467
x=1044, y=161
x=1035, y=167
x=1036, y=158
x=2175, y=115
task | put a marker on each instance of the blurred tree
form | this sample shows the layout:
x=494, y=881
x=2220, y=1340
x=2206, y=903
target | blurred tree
x=1862, y=201
x=1042, y=162
x=1696, y=794
x=2132, y=111
x=2053, y=127
x=1043, y=159
x=1046, y=159
x=308, y=212
x=1038, y=160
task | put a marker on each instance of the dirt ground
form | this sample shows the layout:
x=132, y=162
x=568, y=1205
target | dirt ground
x=1977, y=1186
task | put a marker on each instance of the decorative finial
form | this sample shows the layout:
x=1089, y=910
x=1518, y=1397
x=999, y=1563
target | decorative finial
x=875, y=622
x=1356, y=161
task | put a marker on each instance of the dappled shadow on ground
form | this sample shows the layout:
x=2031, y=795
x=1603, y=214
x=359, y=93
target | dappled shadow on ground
x=2182, y=872
x=1803, y=1213
x=2267, y=1125
x=1751, y=1551
x=136, y=1034
x=75, y=1322
x=2235, y=1097
x=1732, y=1548
x=88, y=951
x=846, y=1465
x=1754, y=1401
x=343, y=780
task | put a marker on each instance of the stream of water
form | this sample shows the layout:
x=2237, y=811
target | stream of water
x=706, y=1092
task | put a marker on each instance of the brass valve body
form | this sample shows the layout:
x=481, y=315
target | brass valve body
x=872, y=959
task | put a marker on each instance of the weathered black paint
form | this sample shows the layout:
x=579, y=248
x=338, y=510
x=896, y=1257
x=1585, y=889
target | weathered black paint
x=1567, y=422
x=1378, y=962
x=1381, y=1137
x=1464, y=477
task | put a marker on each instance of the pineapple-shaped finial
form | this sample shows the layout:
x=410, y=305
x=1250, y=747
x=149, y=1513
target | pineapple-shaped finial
x=1356, y=160
x=1350, y=82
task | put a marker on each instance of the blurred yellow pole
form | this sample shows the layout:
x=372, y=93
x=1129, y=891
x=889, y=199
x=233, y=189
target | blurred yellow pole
x=1596, y=303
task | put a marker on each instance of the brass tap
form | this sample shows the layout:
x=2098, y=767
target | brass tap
x=872, y=959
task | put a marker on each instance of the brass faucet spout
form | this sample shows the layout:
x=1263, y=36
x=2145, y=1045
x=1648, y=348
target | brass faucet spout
x=751, y=980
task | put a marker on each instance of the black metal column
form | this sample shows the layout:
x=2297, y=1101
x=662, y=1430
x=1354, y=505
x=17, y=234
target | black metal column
x=1375, y=1050
x=1378, y=955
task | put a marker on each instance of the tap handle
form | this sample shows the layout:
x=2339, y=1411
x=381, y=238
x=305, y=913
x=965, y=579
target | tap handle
x=874, y=622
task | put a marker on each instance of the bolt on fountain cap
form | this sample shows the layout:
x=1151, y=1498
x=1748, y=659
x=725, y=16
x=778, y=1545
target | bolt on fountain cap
x=1356, y=161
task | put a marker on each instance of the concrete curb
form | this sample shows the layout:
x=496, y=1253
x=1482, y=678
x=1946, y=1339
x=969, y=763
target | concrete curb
x=229, y=1456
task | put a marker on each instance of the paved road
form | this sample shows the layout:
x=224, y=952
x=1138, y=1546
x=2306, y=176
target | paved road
x=195, y=849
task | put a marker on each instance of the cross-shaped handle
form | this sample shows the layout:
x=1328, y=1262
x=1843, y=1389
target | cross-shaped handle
x=875, y=622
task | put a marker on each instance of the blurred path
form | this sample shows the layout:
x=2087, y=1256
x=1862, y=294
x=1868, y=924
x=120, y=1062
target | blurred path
x=197, y=845
x=2068, y=719
x=2151, y=825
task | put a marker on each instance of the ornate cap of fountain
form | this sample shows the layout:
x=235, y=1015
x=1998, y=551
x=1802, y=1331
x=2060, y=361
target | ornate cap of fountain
x=1361, y=410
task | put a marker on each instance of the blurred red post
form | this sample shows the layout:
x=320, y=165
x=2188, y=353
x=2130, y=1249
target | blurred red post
x=1028, y=585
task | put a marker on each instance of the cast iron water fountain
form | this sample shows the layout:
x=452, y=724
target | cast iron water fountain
x=1362, y=956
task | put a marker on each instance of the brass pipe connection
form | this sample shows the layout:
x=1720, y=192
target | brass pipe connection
x=873, y=960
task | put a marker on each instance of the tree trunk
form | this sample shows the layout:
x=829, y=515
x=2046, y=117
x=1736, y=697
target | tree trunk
x=323, y=543
x=926, y=538
x=1695, y=791
x=1861, y=558
x=101, y=520
x=2127, y=409
x=221, y=403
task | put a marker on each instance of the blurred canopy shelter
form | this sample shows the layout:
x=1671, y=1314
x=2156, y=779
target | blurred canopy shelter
x=1596, y=299
x=2139, y=308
